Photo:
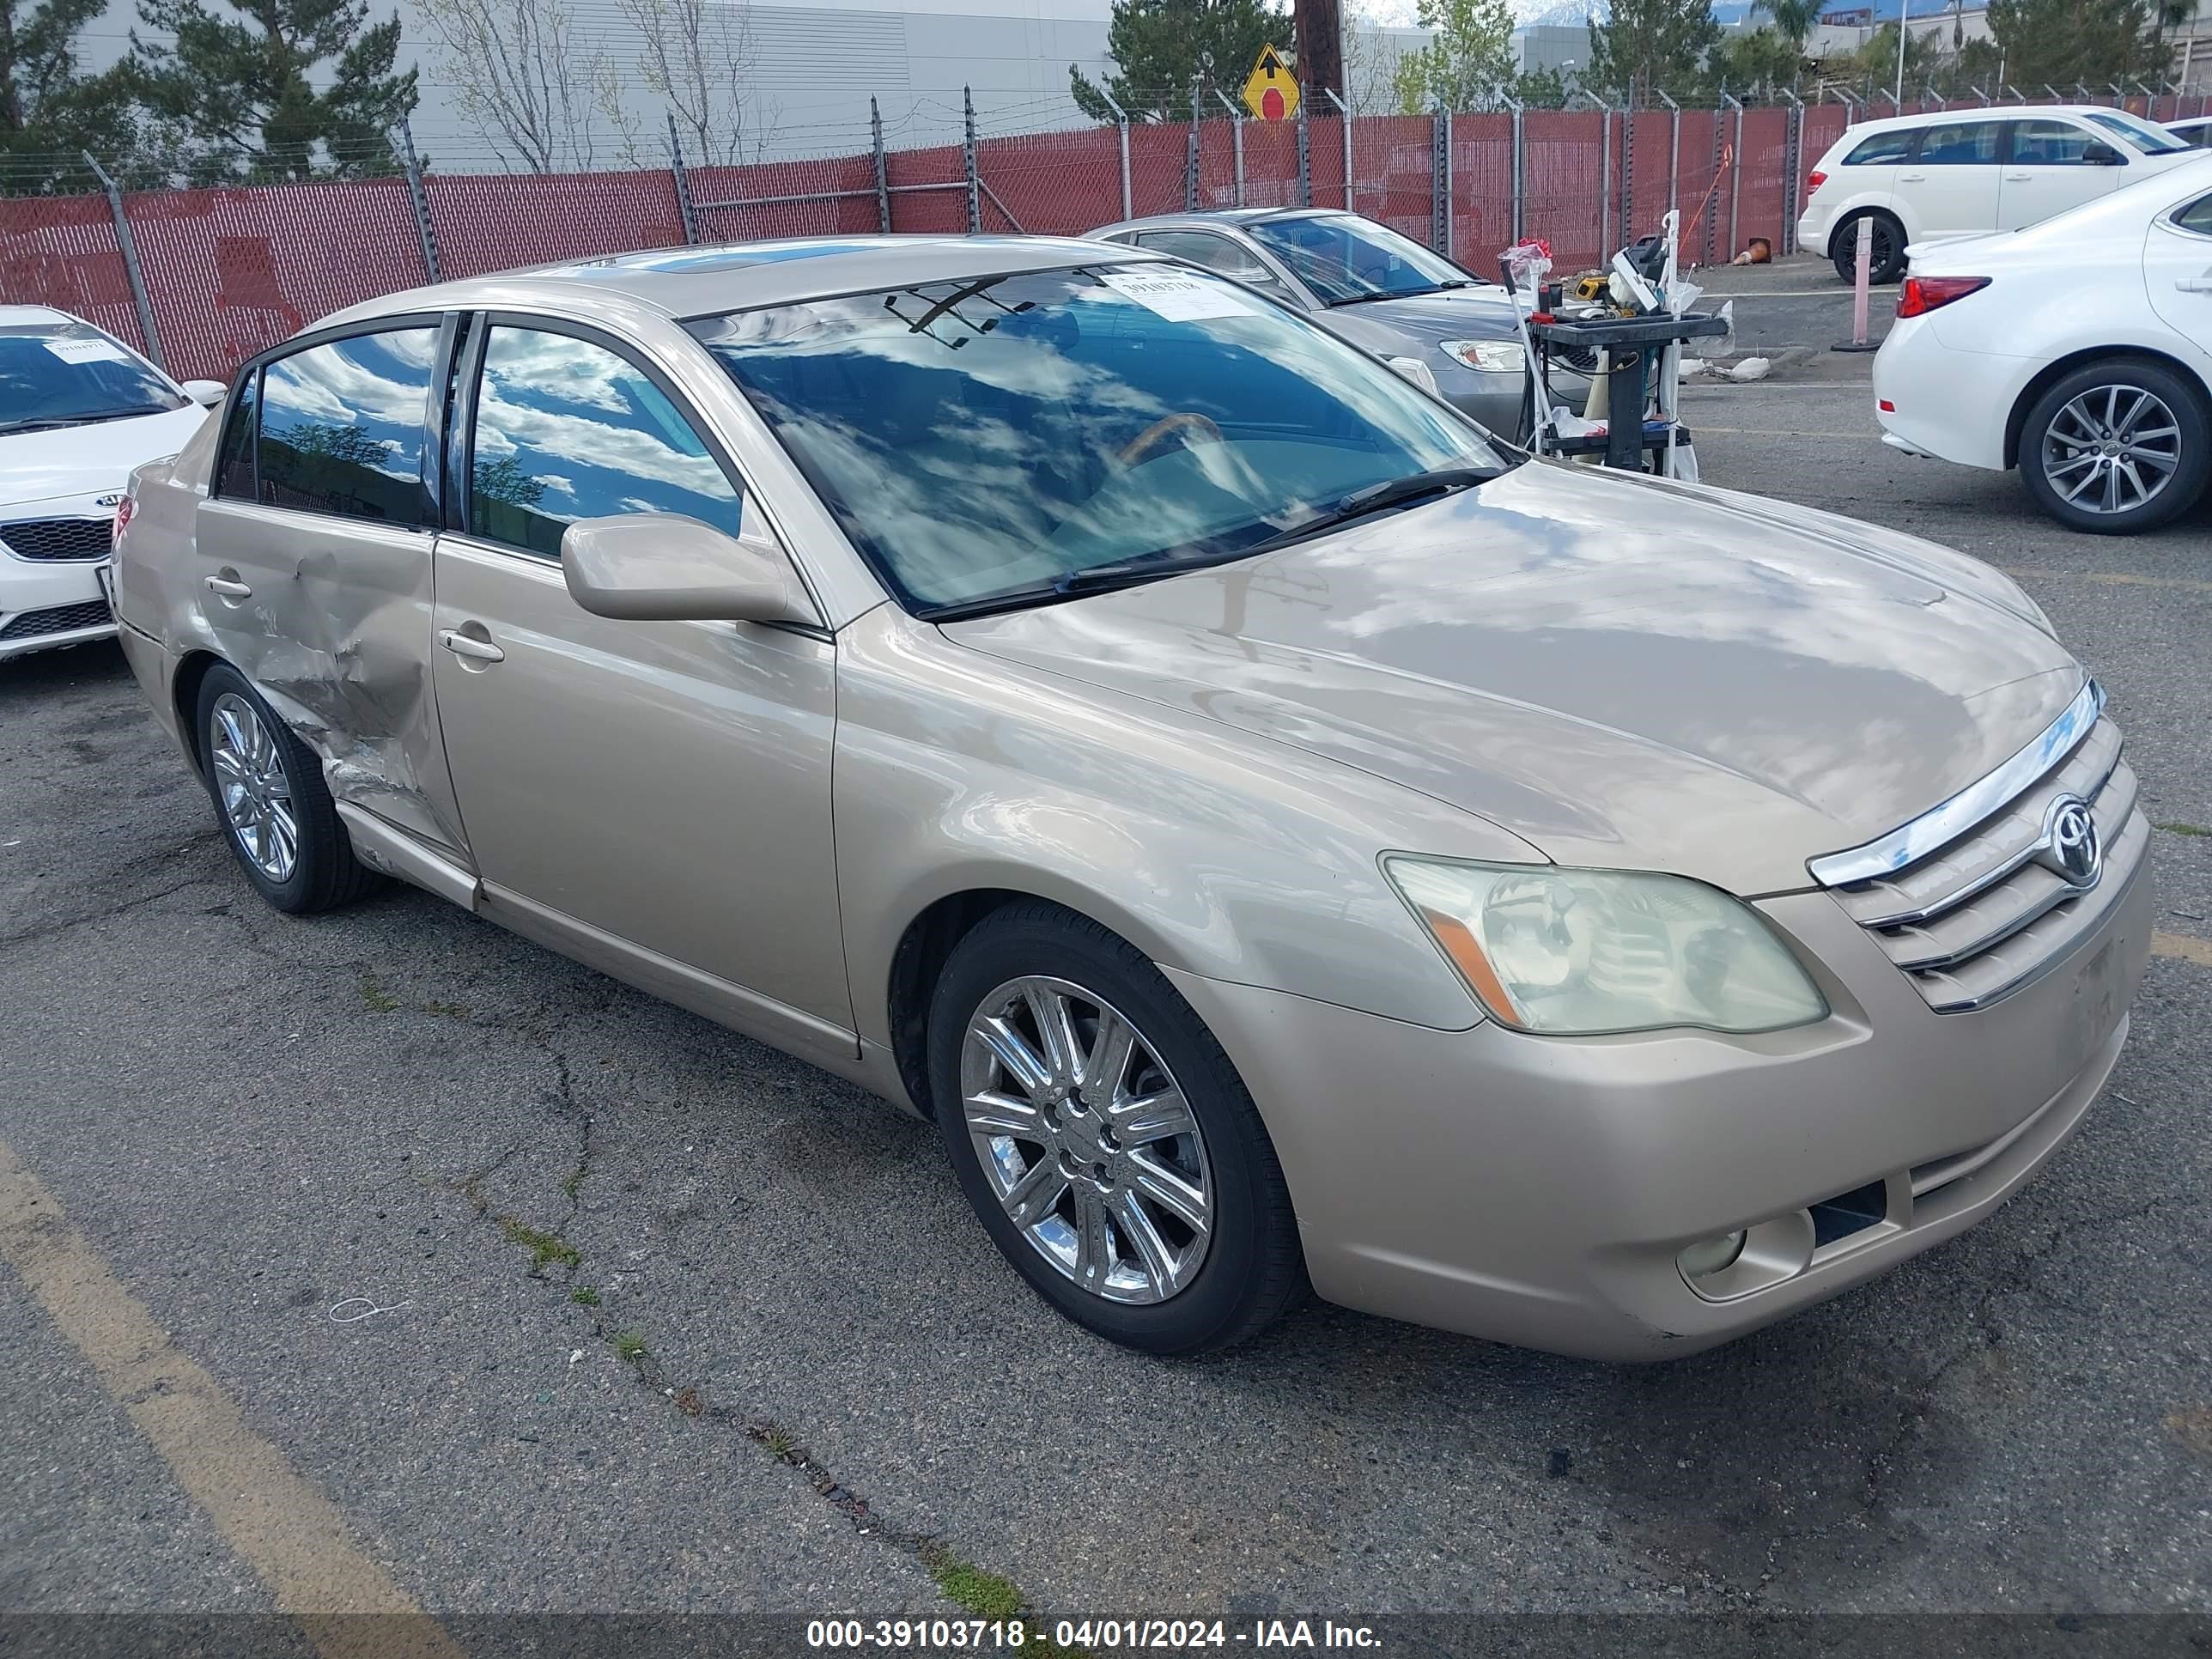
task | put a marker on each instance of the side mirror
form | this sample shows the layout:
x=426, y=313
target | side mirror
x=663, y=567
x=2103, y=155
x=206, y=394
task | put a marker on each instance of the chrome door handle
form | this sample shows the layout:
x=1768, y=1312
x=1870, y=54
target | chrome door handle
x=2016, y=178
x=2193, y=285
x=467, y=645
x=229, y=589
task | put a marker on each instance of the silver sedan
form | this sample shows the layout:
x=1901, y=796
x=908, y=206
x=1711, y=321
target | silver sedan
x=1279, y=837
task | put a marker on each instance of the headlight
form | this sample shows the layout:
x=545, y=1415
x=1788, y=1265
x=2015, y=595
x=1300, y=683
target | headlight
x=1416, y=371
x=1488, y=356
x=1577, y=953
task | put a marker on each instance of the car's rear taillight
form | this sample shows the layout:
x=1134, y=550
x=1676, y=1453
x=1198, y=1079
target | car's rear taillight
x=1815, y=181
x=1923, y=294
x=124, y=509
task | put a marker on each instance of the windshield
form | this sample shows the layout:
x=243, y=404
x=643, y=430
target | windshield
x=1344, y=257
x=990, y=436
x=55, y=374
x=2150, y=140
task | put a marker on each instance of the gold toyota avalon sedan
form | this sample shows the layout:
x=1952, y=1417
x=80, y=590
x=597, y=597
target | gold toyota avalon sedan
x=1283, y=837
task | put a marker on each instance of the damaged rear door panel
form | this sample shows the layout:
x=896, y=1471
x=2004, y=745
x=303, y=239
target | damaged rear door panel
x=315, y=580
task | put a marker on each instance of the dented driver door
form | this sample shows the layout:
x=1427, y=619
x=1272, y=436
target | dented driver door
x=314, y=564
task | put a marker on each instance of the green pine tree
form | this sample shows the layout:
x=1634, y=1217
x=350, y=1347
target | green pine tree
x=2061, y=42
x=1646, y=44
x=239, y=88
x=1157, y=45
x=49, y=111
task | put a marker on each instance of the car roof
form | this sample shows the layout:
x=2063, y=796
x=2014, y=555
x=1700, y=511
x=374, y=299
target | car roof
x=17, y=316
x=1988, y=112
x=1243, y=215
x=704, y=282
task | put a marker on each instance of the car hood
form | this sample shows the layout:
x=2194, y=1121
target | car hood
x=87, y=460
x=1473, y=313
x=1620, y=671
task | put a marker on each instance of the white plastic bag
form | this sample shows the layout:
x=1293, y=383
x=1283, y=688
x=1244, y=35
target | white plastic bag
x=1528, y=264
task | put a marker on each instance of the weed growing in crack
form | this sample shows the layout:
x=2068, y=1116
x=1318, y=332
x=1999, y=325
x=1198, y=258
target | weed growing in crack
x=375, y=997
x=545, y=1249
x=629, y=1347
x=2184, y=829
x=584, y=1296
x=985, y=1594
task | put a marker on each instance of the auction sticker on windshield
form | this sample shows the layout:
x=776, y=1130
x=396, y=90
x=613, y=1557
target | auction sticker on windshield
x=1178, y=298
x=88, y=352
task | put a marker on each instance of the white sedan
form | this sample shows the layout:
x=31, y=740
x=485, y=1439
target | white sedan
x=2079, y=349
x=78, y=410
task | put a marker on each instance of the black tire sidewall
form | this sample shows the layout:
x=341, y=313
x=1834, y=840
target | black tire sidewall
x=2182, y=491
x=1845, y=244
x=321, y=838
x=1236, y=1290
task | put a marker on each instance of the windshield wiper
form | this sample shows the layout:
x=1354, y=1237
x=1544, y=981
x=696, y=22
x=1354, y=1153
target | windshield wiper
x=1380, y=497
x=34, y=426
x=1403, y=293
x=1157, y=567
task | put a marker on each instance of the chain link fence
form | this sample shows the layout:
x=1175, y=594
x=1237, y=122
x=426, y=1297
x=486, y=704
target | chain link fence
x=201, y=279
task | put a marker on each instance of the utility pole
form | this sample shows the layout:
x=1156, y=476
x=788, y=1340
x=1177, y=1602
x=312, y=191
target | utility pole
x=1320, y=29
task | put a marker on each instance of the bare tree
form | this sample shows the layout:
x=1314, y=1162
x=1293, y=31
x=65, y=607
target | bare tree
x=519, y=70
x=699, y=56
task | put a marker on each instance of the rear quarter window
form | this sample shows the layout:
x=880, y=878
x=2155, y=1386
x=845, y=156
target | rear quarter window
x=1882, y=147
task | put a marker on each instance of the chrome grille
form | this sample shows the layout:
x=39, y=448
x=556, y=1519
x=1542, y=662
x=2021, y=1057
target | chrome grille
x=1983, y=914
x=54, y=539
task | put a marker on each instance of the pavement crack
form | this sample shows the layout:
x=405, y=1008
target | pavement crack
x=49, y=929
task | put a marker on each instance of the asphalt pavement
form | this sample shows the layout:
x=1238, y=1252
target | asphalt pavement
x=659, y=1319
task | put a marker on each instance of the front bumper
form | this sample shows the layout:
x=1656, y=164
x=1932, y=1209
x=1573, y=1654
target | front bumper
x=45, y=605
x=1538, y=1191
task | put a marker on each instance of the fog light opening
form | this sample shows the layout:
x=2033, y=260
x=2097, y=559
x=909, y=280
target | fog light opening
x=1713, y=1256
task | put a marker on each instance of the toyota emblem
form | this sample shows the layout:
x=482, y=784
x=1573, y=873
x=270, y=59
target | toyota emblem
x=2069, y=841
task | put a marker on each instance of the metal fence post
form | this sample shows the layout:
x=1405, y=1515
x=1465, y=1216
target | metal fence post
x=1520, y=171
x=1122, y=121
x=1237, y=138
x=968, y=162
x=128, y=245
x=1343, y=115
x=1190, y=154
x=1305, y=160
x=1604, y=169
x=1440, y=181
x=1736, y=178
x=683, y=184
x=1627, y=164
x=1792, y=164
x=424, y=229
x=1674, y=151
x=883, y=169
x=1713, y=218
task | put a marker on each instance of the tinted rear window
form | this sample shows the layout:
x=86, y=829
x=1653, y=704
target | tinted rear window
x=342, y=426
x=1883, y=147
x=1960, y=144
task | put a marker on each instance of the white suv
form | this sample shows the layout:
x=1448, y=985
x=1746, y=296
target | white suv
x=1966, y=172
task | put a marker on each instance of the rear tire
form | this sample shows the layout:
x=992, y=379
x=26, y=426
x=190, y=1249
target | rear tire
x=269, y=797
x=2116, y=447
x=1162, y=1132
x=1887, y=261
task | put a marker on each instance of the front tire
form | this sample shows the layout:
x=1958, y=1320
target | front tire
x=1886, y=260
x=2116, y=447
x=269, y=797
x=1107, y=1144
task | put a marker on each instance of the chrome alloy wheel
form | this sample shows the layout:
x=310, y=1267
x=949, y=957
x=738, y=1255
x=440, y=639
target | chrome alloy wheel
x=2111, y=449
x=1087, y=1139
x=257, y=796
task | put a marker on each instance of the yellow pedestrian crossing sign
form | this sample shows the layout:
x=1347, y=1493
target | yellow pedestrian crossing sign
x=1271, y=91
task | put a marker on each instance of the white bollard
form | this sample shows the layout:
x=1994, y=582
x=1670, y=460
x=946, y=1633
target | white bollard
x=1861, y=283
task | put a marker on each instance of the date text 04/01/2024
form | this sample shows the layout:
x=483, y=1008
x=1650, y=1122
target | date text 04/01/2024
x=1101, y=1634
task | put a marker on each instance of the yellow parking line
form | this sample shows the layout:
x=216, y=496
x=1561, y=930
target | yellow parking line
x=2182, y=947
x=293, y=1537
x=2112, y=577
